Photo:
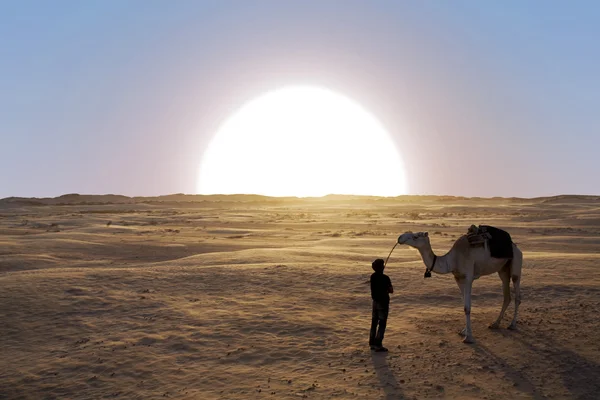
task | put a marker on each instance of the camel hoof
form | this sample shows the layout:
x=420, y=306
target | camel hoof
x=468, y=340
x=512, y=327
x=495, y=325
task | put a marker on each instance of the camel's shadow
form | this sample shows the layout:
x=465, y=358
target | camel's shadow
x=581, y=376
x=387, y=378
x=519, y=379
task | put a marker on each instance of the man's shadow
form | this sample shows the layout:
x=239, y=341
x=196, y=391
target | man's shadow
x=387, y=378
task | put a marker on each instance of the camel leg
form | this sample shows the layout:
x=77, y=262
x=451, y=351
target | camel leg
x=505, y=276
x=469, y=333
x=461, y=285
x=517, y=285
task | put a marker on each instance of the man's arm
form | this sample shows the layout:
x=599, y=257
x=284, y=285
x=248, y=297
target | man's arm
x=390, y=287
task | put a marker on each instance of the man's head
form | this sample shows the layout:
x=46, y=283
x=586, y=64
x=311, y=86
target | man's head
x=378, y=265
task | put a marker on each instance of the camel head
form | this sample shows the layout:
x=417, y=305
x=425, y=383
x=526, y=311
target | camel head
x=417, y=240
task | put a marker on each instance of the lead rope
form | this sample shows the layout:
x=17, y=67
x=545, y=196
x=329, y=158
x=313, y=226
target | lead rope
x=388, y=257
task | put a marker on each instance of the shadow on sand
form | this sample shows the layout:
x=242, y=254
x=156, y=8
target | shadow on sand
x=580, y=375
x=386, y=376
x=520, y=380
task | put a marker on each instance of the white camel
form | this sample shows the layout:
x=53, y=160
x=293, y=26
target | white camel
x=468, y=263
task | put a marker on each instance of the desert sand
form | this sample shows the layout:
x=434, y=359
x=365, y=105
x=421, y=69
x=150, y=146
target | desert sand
x=248, y=297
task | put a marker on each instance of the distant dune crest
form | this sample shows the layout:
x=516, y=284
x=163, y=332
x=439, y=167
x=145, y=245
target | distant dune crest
x=92, y=199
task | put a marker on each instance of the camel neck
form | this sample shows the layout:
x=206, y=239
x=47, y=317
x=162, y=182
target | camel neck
x=429, y=256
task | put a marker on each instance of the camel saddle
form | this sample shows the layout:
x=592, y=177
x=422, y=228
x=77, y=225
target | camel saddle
x=497, y=240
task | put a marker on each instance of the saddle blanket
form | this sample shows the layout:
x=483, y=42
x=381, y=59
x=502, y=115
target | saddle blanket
x=499, y=241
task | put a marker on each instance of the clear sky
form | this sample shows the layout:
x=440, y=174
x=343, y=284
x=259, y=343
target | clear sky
x=481, y=98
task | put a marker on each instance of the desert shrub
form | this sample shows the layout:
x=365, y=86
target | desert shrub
x=414, y=215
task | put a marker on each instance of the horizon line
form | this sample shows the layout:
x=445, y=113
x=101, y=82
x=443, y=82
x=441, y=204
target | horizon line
x=5, y=199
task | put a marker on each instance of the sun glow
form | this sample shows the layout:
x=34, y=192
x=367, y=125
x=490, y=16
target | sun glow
x=302, y=141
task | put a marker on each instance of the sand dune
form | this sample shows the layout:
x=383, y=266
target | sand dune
x=247, y=297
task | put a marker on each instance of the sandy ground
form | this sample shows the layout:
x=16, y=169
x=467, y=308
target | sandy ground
x=249, y=298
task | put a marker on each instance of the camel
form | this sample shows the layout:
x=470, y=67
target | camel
x=468, y=263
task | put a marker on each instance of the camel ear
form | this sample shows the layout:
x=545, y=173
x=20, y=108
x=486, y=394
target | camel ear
x=426, y=234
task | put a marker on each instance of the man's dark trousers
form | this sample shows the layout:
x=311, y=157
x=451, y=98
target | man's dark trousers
x=379, y=317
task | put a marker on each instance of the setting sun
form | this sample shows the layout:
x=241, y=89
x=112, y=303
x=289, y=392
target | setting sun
x=302, y=141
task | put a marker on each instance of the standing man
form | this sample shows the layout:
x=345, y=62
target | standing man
x=381, y=287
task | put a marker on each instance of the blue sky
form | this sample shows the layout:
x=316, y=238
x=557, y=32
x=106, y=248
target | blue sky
x=481, y=98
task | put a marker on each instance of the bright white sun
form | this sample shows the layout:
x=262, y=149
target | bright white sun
x=302, y=141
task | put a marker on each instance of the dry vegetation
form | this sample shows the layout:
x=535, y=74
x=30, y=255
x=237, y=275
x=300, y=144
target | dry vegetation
x=235, y=297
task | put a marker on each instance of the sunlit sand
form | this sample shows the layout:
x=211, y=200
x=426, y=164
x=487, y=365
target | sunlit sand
x=235, y=297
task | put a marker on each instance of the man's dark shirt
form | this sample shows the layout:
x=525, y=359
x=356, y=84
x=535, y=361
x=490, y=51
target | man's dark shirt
x=380, y=284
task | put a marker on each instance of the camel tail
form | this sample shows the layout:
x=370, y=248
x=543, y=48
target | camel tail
x=509, y=265
x=515, y=264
